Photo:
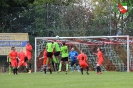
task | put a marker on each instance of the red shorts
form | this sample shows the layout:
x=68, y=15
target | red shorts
x=45, y=61
x=22, y=63
x=83, y=64
x=100, y=62
x=14, y=63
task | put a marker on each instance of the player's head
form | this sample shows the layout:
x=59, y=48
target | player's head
x=44, y=48
x=64, y=43
x=72, y=49
x=28, y=42
x=82, y=51
x=13, y=48
x=98, y=49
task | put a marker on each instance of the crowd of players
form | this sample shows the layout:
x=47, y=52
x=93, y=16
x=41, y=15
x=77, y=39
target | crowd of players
x=51, y=57
x=17, y=59
x=52, y=52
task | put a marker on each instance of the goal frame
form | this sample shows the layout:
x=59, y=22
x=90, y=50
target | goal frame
x=126, y=36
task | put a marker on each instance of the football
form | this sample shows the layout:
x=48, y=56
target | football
x=57, y=37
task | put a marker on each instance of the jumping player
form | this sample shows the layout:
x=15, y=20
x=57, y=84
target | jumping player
x=83, y=62
x=44, y=62
x=13, y=56
x=29, y=55
x=99, y=60
x=56, y=54
x=64, y=55
x=73, y=58
x=49, y=49
x=21, y=56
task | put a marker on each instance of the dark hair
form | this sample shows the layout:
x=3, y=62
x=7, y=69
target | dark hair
x=64, y=43
x=44, y=48
x=12, y=47
x=100, y=49
x=83, y=50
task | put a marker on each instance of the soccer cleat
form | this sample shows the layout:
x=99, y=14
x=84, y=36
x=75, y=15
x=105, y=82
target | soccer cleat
x=50, y=72
x=29, y=71
x=66, y=72
x=87, y=73
x=59, y=71
x=99, y=73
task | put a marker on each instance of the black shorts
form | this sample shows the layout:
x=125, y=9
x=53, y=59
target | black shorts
x=25, y=59
x=64, y=59
x=57, y=53
x=49, y=54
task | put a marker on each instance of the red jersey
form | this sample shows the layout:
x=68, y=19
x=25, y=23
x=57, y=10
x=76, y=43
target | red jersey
x=21, y=55
x=100, y=56
x=13, y=55
x=45, y=54
x=82, y=60
x=28, y=49
x=45, y=57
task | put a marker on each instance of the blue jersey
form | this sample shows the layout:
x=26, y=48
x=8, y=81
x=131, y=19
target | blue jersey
x=73, y=55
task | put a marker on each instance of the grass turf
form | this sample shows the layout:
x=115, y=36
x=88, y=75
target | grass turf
x=71, y=80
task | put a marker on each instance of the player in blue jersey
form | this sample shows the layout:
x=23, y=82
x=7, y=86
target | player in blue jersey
x=73, y=58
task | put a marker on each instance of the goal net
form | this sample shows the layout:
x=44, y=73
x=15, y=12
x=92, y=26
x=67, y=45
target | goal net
x=117, y=50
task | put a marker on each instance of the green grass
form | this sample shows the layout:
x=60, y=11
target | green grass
x=71, y=80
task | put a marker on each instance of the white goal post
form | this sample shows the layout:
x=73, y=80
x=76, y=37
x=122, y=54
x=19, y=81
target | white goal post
x=126, y=40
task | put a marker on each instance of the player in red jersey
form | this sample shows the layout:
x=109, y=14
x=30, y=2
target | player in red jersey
x=99, y=60
x=21, y=56
x=29, y=55
x=13, y=56
x=45, y=61
x=83, y=62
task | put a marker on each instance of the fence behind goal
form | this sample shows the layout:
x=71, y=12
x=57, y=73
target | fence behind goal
x=117, y=50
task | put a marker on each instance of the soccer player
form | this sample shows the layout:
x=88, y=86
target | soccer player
x=44, y=62
x=83, y=62
x=13, y=56
x=73, y=58
x=49, y=48
x=22, y=62
x=64, y=55
x=56, y=54
x=29, y=55
x=99, y=60
x=9, y=63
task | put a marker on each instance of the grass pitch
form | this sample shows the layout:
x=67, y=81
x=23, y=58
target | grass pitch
x=71, y=80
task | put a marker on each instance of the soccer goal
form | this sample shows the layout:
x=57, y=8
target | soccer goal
x=117, y=50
